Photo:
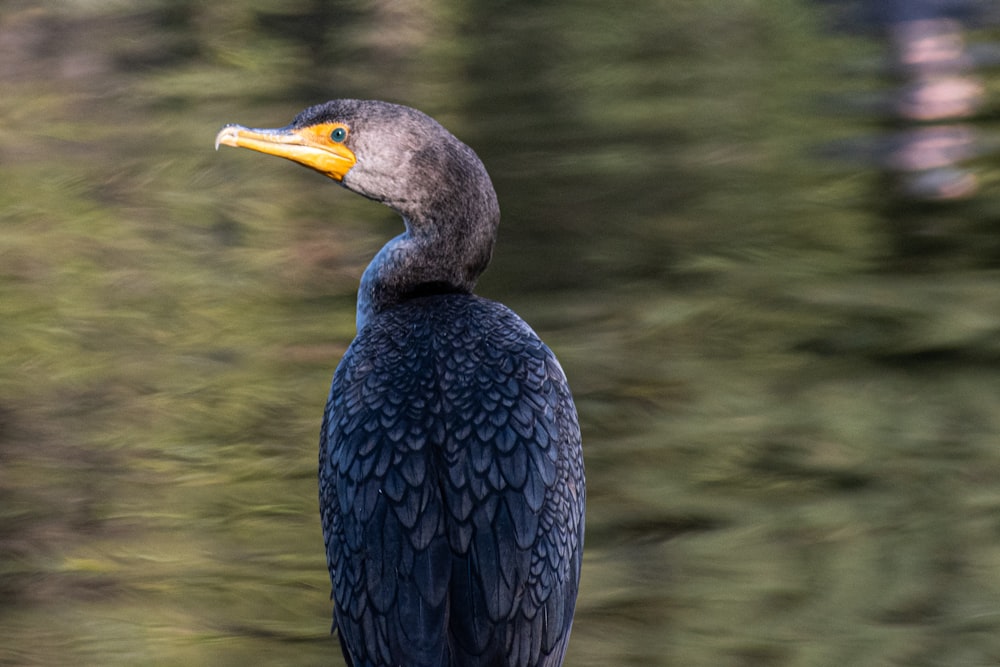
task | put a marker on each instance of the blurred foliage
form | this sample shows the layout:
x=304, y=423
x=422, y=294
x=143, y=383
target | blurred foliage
x=790, y=428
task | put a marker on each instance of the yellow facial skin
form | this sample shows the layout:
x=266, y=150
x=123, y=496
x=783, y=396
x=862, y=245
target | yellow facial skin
x=320, y=147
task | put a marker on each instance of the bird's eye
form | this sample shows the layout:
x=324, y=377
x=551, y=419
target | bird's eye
x=338, y=134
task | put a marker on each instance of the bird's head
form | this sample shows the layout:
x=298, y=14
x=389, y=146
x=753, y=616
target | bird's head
x=386, y=152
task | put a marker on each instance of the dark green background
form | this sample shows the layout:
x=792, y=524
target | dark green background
x=792, y=431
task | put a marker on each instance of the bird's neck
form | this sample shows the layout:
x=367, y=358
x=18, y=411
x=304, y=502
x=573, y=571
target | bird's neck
x=451, y=214
x=425, y=260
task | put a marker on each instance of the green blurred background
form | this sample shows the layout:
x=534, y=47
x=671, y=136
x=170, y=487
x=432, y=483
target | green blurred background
x=791, y=417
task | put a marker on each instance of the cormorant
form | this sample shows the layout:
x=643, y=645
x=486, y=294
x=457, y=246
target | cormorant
x=450, y=467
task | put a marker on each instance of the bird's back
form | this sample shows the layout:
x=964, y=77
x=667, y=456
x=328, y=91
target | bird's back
x=451, y=490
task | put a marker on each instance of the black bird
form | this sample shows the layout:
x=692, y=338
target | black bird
x=451, y=480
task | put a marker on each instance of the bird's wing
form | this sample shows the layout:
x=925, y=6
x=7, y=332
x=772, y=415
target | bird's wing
x=514, y=495
x=383, y=522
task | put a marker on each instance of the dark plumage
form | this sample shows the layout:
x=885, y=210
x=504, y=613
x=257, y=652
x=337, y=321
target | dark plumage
x=451, y=472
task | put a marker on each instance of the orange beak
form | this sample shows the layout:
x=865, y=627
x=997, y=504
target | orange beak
x=312, y=146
